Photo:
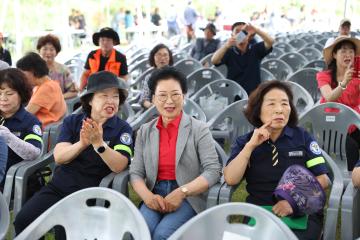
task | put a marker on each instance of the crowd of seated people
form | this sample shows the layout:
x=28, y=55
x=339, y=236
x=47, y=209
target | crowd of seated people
x=174, y=159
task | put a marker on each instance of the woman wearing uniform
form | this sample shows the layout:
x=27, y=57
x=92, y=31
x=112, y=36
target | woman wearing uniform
x=338, y=84
x=159, y=57
x=20, y=130
x=175, y=161
x=47, y=101
x=263, y=155
x=91, y=145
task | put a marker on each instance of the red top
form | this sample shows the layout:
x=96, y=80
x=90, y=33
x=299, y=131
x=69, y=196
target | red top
x=350, y=96
x=167, y=148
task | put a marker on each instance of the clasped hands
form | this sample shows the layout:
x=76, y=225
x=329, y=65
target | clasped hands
x=165, y=204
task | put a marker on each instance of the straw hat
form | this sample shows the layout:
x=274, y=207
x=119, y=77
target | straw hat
x=328, y=50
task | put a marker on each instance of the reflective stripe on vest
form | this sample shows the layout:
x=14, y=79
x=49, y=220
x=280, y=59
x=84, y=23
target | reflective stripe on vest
x=111, y=64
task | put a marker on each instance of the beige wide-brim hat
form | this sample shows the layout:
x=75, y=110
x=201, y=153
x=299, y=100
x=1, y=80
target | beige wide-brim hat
x=328, y=50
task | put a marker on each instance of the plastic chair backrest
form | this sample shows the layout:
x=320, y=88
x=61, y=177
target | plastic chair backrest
x=315, y=45
x=231, y=122
x=137, y=69
x=275, y=53
x=317, y=64
x=306, y=77
x=266, y=75
x=201, y=77
x=278, y=68
x=136, y=84
x=222, y=69
x=4, y=217
x=227, y=89
x=180, y=56
x=297, y=43
x=285, y=47
x=302, y=99
x=206, y=61
x=188, y=66
x=329, y=124
x=308, y=39
x=215, y=223
x=295, y=60
x=91, y=222
x=310, y=53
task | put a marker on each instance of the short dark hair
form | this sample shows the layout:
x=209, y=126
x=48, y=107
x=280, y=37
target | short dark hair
x=50, y=38
x=85, y=102
x=167, y=73
x=34, y=63
x=16, y=80
x=237, y=24
x=256, y=98
x=155, y=50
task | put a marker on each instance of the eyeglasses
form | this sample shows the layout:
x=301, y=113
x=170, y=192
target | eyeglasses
x=163, y=97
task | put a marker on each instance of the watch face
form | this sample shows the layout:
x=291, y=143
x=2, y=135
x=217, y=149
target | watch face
x=101, y=149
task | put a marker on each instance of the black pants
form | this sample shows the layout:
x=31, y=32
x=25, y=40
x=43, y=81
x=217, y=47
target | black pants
x=34, y=207
x=314, y=228
x=352, y=148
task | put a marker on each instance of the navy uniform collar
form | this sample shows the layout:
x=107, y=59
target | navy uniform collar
x=20, y=114
x=111, y=122
x=287, y=131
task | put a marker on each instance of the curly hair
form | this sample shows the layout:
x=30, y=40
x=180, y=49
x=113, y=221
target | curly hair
x=50, y=38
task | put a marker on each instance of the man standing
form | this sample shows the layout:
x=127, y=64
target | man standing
x=106, y=57
x=4, y=54
x=207, y=45
x=241, y=58
x=190, y=17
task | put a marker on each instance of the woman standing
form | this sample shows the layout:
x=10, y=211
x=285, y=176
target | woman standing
x=49, y=47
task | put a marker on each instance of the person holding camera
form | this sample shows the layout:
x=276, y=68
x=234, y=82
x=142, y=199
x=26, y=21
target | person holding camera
x=242, y=57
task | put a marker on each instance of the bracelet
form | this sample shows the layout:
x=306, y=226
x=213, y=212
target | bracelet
x=343, y=88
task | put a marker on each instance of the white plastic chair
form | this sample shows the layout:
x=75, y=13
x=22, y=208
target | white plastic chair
x=214, y=224
x=82, y=221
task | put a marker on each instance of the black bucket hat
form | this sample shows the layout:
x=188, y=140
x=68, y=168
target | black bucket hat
x=106, y=32
x=103, y=80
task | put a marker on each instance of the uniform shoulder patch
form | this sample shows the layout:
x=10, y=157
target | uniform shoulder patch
x=37, y=130
x=315, y=148
x=126, y=138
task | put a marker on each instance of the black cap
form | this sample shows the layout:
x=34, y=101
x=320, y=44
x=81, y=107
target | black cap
x=106, y=32
x=103, y=80
x=211, y=27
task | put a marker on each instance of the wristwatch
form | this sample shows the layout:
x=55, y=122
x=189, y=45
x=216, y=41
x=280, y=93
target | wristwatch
x=343, y=88
x=184, y=190
x=100, y=149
